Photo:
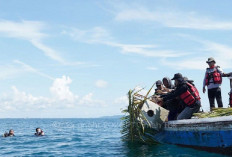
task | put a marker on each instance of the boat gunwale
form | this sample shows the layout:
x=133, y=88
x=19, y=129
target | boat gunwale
x=200, y=121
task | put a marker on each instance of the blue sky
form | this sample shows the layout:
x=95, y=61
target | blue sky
x=79, y=58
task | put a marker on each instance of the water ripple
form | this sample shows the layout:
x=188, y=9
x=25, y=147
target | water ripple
x=79, y=137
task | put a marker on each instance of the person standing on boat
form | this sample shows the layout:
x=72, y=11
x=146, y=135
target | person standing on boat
x=213, y=81
x=188, y=95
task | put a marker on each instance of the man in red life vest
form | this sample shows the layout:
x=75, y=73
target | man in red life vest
x=187, y=94
x=213, y=81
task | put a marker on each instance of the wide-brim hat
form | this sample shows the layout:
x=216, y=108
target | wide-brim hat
x=211, y=59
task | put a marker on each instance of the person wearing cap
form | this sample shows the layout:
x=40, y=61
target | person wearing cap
x=164, y=87
x=188, y=95
x=159, y=88
x=213, y=81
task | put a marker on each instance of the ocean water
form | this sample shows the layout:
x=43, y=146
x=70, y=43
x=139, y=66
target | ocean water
x=80, y=137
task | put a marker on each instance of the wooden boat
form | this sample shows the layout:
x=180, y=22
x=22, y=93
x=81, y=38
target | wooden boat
x=211, y=134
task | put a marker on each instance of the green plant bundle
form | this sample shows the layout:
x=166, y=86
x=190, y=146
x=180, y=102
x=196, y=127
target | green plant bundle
x=216, y=112
x=133, y=127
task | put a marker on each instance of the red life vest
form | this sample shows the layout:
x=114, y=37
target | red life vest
x=230, y=100
x=215, y=75
x=191, y=95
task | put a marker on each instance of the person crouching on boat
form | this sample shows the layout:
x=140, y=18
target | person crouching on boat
x=168, y=84
x=173, y=104
x=159, y=88
x=39, y=132
x=10, y=134
x=164, y=87
x=188, y=95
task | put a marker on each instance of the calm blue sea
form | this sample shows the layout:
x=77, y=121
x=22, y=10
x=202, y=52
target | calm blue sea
x=79, y=137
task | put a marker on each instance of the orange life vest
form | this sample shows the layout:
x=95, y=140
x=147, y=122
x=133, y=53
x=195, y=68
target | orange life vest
x=215, y=75
x=191, y=95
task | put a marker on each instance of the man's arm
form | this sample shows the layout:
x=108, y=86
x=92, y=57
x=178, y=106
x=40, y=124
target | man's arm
x=222, y=73
x=175, y=93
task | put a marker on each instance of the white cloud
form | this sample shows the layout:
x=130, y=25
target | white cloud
x=48, y=51
x=9, y=71
x=196, y=63
x=190, y=20
x=145, y=50
x=27, y=67
x=60, y=89
x=94, y=35
x=88, y=100
x=61, y=98
x=99, y=35
x=221, y=52
x=28, y=30
x=101, y=84
x=19, y=68
x=32, y=32
x=121, y=100
x=21, y=100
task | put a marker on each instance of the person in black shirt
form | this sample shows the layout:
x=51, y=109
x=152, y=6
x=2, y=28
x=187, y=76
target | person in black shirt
x=188, y=96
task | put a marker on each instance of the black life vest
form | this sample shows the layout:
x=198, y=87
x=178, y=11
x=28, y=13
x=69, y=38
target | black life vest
x=215, y=75
x=8, y=135
x=39, y=133
x=190, y=96
x=230, y=100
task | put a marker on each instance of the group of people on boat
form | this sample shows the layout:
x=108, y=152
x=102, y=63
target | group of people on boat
x=183, y=99
x=38, y=132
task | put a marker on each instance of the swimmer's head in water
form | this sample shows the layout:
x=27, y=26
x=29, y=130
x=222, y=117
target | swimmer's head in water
x=11, y=132
x=38, y=130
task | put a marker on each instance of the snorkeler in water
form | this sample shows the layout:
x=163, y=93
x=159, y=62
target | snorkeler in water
x=10, y=134
x=39, y=132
